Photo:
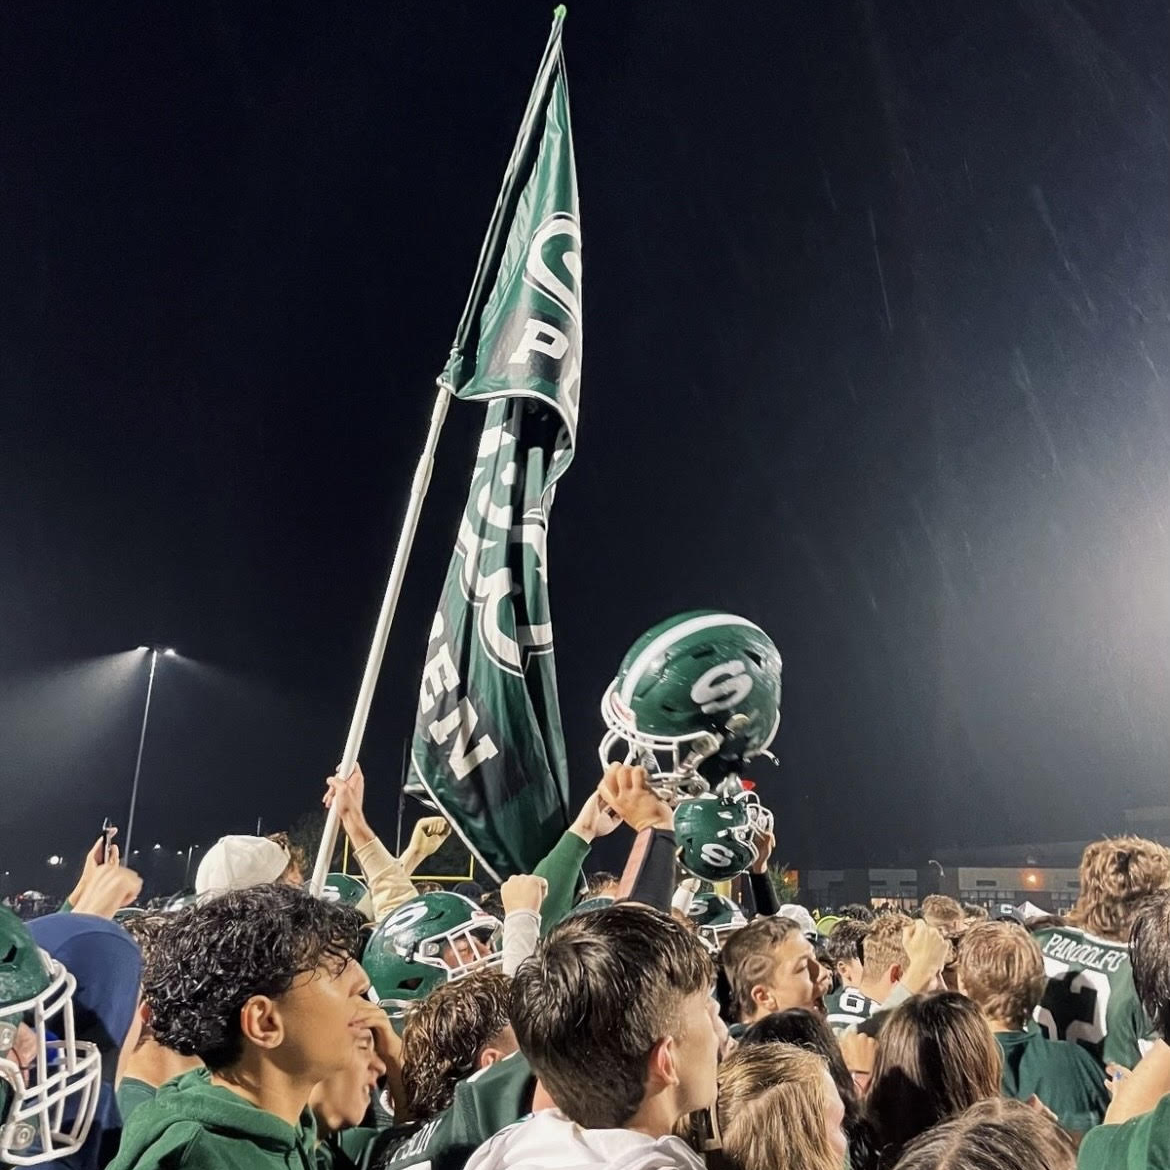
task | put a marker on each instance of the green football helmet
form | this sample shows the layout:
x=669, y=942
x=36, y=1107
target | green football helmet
x=715, y=832
x=49, y=1079
x=715, y=917
x=694, y=698
x=425, y=943
x=344, y=890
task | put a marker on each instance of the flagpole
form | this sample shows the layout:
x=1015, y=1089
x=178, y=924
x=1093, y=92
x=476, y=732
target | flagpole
x=493, y=241
x=361, y=712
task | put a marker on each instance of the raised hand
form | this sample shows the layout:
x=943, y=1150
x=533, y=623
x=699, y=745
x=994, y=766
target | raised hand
x=594, y=820
x=626, y=790
x=523, y=891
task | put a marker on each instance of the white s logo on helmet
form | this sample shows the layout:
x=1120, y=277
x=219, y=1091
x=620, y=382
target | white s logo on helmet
x=722, y=687
x=407, y=916
x=715, y=854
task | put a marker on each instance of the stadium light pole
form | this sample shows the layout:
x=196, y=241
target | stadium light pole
x=155, y=651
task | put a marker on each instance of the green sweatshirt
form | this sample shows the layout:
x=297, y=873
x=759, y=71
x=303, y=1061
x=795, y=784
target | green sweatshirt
x=198, y=1126
x=562, y=870
x=131, y=1094
x=1062, y=1074
x=1140, y=1144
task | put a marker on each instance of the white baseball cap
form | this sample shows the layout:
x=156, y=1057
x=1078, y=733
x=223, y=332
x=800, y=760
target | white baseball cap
x=238, y=862
x=800, y=916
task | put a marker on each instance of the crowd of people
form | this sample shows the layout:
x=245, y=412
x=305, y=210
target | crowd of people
x=671, y=1017
x=636, y=1021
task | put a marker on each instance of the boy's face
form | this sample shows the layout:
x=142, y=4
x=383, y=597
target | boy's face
x=798, y=980
x=696, y=1052
x=342, y=1099
x=321, y=1014
x=465, y=951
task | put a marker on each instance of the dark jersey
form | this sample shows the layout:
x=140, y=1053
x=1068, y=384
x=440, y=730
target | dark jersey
x=848, y=1007
x=1090, y=996
x=484, y=1104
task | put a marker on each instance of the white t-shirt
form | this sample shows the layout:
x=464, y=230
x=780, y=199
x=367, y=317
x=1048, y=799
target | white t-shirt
x=550, y=1141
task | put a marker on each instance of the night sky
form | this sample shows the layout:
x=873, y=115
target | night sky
x=877, y=350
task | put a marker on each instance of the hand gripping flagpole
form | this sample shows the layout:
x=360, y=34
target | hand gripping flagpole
x=493, y=244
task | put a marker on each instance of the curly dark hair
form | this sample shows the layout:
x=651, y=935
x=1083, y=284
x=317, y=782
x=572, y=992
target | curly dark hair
x=444, y=1035
x=210, y=959
x=145, y=930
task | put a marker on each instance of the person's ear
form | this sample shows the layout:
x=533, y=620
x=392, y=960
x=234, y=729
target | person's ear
x=762, y=997
x=261, y=1023
x=896, y=973
x=488, y=1057
x=662, y=1070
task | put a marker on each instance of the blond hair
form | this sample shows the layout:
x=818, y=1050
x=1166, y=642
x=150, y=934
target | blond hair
x=772, y=1103
x=882, y=946
x=943, y=913
x=1002, y=970
x=1117, y=873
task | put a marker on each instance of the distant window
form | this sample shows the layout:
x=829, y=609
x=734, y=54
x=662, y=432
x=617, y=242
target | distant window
x=985, y=883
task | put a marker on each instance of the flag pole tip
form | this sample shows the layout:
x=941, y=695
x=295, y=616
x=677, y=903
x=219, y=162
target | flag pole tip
x=560, y=12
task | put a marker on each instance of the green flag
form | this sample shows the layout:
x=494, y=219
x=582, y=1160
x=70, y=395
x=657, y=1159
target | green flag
x=488, y=746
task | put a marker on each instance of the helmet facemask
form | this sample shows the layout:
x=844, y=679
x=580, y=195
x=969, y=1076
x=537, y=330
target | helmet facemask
x=679, y=766
x=411, y=954
x=48, y=1103
x=430, y=950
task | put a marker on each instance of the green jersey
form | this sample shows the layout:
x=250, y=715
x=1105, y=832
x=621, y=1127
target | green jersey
x=1063, y=1075
x=848, y=1007
x=1090, y=996
x=1140, y=1144
x=485, y=1103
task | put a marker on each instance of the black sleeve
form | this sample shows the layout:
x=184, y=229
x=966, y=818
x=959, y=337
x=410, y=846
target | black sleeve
x=649, y=873
x=763, y=894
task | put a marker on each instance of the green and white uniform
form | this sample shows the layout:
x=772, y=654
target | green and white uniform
x=848, y=1007
x=485, y=1103
x=1063, y=1075
x=1090, y=996
x=1140, y=1144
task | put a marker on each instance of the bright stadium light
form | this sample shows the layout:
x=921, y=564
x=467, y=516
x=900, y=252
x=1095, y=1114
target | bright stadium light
x=56, y=860
x=169, y=652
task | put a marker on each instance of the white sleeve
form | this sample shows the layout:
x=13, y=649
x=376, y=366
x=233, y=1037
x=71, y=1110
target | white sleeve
x=521, y=934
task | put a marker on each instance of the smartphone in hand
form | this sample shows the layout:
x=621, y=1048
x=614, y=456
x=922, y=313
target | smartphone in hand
x=107, y=837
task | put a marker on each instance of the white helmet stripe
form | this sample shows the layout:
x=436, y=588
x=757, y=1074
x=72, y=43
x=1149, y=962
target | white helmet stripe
x=675, y=634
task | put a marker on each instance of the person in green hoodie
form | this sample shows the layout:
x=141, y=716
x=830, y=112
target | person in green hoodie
x=264, y=986
x=1000, y=967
